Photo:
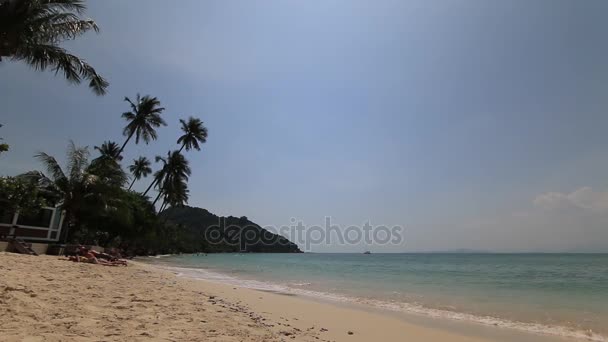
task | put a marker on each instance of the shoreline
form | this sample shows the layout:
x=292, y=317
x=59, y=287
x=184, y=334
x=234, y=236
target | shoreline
x=44, y=298
x=466, y=323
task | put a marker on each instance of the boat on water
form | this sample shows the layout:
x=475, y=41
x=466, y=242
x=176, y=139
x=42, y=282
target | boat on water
x=367, y=252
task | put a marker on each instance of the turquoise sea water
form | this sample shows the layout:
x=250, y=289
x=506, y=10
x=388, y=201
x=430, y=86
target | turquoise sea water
x=560, y=294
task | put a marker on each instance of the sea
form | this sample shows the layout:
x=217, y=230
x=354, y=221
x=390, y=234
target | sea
x=563, y=295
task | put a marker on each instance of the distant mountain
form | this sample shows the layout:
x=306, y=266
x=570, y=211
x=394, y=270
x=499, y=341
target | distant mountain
x=217, y=234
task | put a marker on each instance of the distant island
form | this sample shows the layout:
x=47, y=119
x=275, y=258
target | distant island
x=195, y=223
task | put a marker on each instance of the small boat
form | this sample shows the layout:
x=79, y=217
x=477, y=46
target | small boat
x=367, y=252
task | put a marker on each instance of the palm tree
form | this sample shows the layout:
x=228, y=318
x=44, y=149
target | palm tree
x=109, y=150
x=139, y=168
x=32, y=30
x=107, y=166
x=174, y=194
x=158, y=175
x=77, y=188
x=175, y=170
x=194, y=132
x=143, y=118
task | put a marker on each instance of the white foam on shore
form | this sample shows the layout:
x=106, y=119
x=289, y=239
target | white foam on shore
x=160, y=256
x=414, y=308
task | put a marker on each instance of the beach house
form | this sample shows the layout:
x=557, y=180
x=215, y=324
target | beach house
x=43, y=225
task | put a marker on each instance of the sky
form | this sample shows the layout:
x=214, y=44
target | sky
x=473, y=124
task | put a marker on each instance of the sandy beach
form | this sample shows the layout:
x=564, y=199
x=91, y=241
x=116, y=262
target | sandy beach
x=43, y=298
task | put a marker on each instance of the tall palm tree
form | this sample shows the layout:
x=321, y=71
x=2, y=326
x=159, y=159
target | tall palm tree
x=32, y=30
x=139, y=168
x=175, y=170
x=195, y=132
x=109, y=150
x=143, y=118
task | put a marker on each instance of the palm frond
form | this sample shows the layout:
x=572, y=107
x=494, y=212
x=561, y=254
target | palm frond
x=51, y=165
x=78, y=160
x=56, y=27
x=75, y=69
x=133, y=106
x=32, y=30
x=64, y=5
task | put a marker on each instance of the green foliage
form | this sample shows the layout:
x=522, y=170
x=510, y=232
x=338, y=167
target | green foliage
x=130, y=216
x=81, y=188
x=19, y=194
x=32, y=30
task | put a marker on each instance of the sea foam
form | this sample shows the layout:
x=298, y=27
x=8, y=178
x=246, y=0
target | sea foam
x=412, y=308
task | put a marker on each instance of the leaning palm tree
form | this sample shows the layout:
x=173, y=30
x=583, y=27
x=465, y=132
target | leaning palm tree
x=195, y=132
x=109, y=150
x=32, y=30
x=175, y=194
x=175, y=169
x=139, y=168
x=158, y=175
x=143, y=118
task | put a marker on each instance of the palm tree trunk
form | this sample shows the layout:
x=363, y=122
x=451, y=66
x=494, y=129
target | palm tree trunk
x=126, y=141
x=183, y=145
x=157, y=197
x=150, y=187
x=133, y=182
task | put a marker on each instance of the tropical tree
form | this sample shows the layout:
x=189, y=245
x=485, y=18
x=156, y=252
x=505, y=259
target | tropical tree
x=32, y=31
x=139, y=168
x=174, y=193
x=71, y=186
x=109, y=150
x=143, y=118
x=78, y=189
x=175, y=170
x=17, y=194
x=107, y=166
x=195, y=132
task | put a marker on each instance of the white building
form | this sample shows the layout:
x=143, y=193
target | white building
x=45, y=225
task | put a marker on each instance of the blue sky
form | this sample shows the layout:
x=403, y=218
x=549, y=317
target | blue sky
x=474, y=124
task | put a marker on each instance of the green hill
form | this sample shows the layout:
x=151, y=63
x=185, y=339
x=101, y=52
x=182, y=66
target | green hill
x=217, y=234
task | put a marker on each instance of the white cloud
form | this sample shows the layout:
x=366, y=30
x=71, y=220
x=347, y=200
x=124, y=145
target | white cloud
x=583, y=198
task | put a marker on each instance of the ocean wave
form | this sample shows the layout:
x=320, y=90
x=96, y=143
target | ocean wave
x=299, y=284
x=159, y=256
x=412, y=308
